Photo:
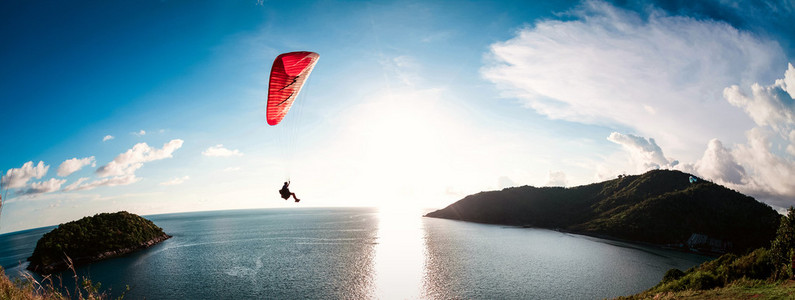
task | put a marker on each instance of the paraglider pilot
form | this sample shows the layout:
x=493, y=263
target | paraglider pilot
x=285, y=192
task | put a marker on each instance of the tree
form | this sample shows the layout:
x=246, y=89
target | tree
x=784, y=242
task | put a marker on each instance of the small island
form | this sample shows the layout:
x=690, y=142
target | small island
x=92, y=239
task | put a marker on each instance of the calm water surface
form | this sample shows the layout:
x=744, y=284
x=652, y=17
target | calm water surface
x=364, y=253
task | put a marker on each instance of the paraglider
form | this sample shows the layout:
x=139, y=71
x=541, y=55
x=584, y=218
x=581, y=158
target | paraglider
x=288, y=74
x=692, y=179
x=285, y=192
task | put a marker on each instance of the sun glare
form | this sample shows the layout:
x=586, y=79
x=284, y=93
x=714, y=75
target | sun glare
x=400, y=254
x=404, y=150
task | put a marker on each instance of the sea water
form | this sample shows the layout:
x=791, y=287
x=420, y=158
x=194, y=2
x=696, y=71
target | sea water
x=363, y=253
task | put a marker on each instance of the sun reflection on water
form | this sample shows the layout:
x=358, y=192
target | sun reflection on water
x=400, y=254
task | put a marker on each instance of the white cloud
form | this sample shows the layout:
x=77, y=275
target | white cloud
x=771, y=106
x=771, y=174
x=175, y=181
x=788, y=83
x=659, y=75
x=646, y=153
x=74, y=164
x=127, y=163
x=219, y=150
x=111, y=181
x=44, y=186
x=140, y=133
x=719, y=164
x=76, y=184
x=557, y=179
x=19, y=177
x=107, y=138
x=768, y=155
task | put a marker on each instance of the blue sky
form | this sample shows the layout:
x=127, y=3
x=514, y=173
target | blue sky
x=159, y=106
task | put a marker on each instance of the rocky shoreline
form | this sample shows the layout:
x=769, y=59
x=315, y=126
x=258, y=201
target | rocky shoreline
x=80, y=261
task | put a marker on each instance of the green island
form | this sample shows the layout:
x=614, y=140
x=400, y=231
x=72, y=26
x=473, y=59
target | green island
x=92, y=239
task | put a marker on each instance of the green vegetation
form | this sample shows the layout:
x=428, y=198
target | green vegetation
x=93, y=238
x=762, y=273
x=740, y=289
x=29, y=288
x=659, y=207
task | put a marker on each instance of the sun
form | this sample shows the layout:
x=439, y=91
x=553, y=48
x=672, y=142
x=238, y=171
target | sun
x=405, y=149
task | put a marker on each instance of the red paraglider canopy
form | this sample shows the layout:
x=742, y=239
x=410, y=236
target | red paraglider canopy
x=288, y=74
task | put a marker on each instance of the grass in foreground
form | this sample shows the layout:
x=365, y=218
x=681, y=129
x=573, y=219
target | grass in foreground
x=30, y=288
x=22, y=289
x=16, y=290
x=740, y=289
